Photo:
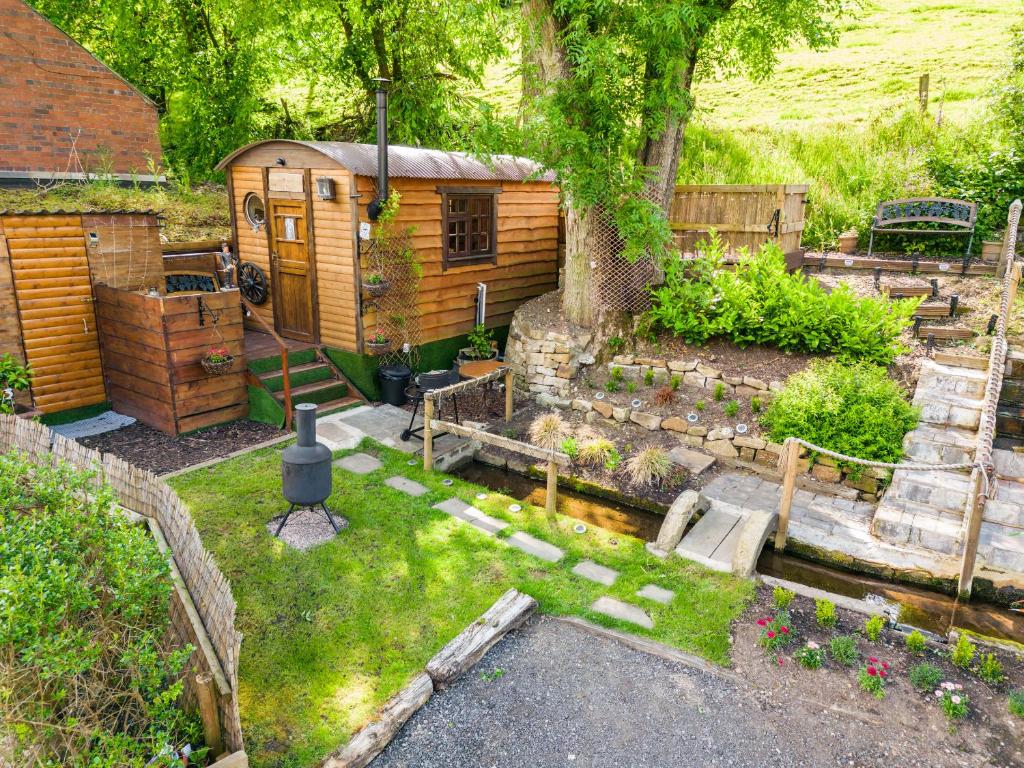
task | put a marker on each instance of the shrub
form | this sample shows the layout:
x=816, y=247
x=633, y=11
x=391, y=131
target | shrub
x=612, y=460
x=782, y=597
x=675, y=381
x=916, y=643
x=548, y=431
x=649, y=466
x=649, y=377
x=825, y=613
x=762, y=303
x=811, y=656
x=631, y=387
x=595, y=452
x=1016, y=702
x=872, y=677
x=962, y=654
x=844, y=649
x=87, y=674
x=699, y=406
x=13, y=376
x=612, y=385
x=664, y=396
x=617, y=374
x=755, y=404
x=731, y=409
x=570, y=447
x=925, y=677
x=775, y=631
x=719, y=392
x=852, y=409
x=615, y=343
x=873, y=628
x=990, y=669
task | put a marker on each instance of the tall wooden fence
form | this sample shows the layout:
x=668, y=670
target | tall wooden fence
x=202, y=607
x=745, y=215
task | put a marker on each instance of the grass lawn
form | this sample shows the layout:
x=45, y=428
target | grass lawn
x=332, y=633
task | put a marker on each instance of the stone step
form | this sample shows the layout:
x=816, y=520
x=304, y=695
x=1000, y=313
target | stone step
x=617, y=609
x=955, y=412
x=407, y=486
x=656, y=593
x=919, y=525
x=591, y=571
x=534, y=546
x=943, y=490
x=460, y=510
x=359, y=463
x=1001, y=547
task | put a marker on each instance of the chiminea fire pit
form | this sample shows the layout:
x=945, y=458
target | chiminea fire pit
x=306, y=468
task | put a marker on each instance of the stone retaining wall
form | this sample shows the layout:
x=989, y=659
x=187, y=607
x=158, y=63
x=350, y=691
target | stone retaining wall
x=695, y=374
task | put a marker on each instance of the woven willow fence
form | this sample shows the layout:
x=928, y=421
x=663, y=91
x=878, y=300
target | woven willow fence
x=143, y=493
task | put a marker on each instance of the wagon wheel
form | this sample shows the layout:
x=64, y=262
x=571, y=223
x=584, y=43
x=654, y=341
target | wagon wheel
x=252, y=282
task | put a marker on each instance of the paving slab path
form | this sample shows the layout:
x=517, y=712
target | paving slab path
x=405, y=485
x=618, y=609
x=359, y=463
x=599, y=574
x=459, y=509
x=531, y=545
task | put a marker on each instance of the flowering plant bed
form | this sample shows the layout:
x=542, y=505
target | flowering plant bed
x=909, y=701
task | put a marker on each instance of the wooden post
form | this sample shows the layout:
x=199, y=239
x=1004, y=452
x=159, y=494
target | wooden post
x=551, y=498
x=922, y=92
x=428, y=436
x=975, y=510
x=208, y=713
x=791, y=459
x=508, y=395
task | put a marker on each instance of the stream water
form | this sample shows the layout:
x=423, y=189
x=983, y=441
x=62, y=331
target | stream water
x=928, y=610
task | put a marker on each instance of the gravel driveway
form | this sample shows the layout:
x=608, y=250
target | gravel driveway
x=554, y=695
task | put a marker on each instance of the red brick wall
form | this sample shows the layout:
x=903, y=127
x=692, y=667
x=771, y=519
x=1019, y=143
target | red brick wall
x=52, y=90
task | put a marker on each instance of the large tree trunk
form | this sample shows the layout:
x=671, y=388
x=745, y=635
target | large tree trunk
x=661, y=152
x=581, y=240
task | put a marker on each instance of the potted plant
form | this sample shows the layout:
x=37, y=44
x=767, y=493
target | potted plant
x=482, y=345
x=848, y=242
x=217, y=361
x=379, y=344
x=14, y=377
x=375, y=284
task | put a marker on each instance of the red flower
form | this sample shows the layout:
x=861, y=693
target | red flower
x=885, y=664
x=872, y=660
x=872, y=671
x=779, y=659
x=762, y=622
x=771, y=635
x=784, y=629
x=881, y=673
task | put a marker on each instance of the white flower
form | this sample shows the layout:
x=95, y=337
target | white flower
x=813, y=645
x=938, y=692
x=955, y=699
x=948, y=686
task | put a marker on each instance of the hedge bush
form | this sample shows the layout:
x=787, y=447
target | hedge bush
x=86, y=676
x=761, y=303
x=853, y=409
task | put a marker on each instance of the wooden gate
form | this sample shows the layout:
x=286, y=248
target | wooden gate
x=745, y=215
x=50, y=269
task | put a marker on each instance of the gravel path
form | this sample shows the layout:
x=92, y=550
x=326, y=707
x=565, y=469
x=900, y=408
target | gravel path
x=553, y=695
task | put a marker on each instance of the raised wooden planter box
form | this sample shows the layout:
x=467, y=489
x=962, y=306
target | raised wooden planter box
x=152, y=347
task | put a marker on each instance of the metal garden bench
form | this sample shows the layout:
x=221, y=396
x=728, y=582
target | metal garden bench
x=958, y=217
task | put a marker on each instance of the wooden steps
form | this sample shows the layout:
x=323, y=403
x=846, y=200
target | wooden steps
x=313, y=379
x=897, y=265
x=945, y=333
x=906, y=291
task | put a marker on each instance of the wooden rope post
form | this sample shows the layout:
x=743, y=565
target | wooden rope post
x=428, y=435
x=209, y=713
x=551, y=498
x=508, y=395
x=975, y=511
x=791, y=459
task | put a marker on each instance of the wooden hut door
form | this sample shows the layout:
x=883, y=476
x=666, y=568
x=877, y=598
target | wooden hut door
x=291, y=270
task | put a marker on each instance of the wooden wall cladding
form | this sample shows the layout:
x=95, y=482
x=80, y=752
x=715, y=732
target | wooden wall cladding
x=50, y=270
x=152, y=346
x=10, y=326
x=527, y=261
x=124, y=250
x=251, y=243
x=333, y=245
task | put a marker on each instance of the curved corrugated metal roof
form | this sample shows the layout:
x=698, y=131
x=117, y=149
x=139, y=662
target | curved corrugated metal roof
x=416, y=162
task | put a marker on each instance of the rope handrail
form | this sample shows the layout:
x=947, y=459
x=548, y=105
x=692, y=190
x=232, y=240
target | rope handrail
x=910, y=465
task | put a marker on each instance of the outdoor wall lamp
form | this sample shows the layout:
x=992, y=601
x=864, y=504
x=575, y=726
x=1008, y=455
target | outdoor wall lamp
x=325, y=188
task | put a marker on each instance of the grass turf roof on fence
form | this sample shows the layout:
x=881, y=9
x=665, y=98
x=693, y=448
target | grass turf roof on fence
x=332, y=633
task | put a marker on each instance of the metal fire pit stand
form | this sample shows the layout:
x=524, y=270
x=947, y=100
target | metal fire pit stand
x=293, y=507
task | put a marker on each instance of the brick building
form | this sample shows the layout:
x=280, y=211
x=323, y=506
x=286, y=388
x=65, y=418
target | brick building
x=63, y=113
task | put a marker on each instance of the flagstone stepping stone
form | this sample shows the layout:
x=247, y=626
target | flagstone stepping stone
x=617, y=609
x=405, y=485
x=459, y=509
x=360, y=463
x=693, y=461
x=591, y=571
x=534, y=546
x=656, y=593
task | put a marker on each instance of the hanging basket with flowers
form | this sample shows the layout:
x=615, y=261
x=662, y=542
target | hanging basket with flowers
x=379, y=344
x=217, y=361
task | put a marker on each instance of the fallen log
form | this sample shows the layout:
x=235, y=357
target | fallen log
x=508, y=612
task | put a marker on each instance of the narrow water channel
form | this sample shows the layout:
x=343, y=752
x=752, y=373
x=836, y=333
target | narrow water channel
x=932, y=611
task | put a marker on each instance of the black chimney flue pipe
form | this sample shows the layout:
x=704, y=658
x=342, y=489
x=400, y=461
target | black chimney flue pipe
x=375, y=207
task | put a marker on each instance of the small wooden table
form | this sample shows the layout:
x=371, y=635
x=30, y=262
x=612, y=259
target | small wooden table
x=477, y=368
